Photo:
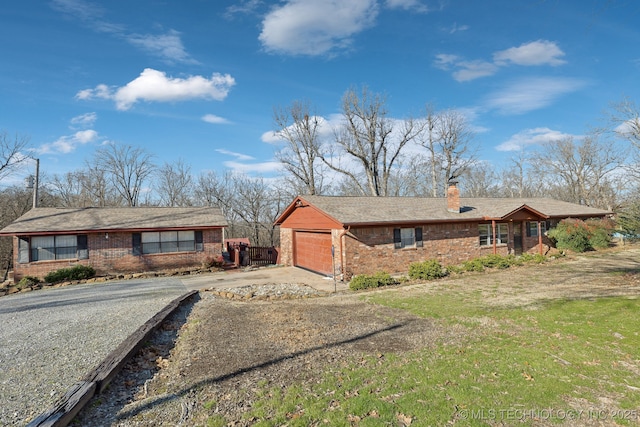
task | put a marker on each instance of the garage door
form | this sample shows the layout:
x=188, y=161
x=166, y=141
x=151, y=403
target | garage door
x=313, y=251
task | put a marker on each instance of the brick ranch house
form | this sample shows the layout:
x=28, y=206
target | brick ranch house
x=114, y=240
x=371, y=234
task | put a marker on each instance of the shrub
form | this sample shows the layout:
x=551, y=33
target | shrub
x=580, y=236
x=77, y=272
x=429, y=270
x=629, y=221
x=27, y=281
x=601, y=231
x=455, y=269
x=572, y=234
x=495, y=261
x=473, y=265
x=534, y=258
x=365, y=281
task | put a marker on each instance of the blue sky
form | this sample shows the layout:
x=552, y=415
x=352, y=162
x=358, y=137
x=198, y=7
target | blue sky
x=197, y=80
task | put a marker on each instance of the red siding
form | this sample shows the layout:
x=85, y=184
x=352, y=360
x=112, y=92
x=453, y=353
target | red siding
x=310, y=218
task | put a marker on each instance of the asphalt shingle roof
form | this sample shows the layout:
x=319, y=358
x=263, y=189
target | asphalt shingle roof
x=52, y=220
x=368, y=210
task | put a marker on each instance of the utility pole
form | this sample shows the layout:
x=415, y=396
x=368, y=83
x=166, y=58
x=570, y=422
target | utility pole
x=32, y=182
x=35, y=184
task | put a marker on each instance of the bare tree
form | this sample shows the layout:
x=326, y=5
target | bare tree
x=257, y=205
x=454, y=139
x=448, y=140
x=14, y=202
x=481, y=180
x=368, y=140
x=427, y=138
x=11, y=153
x=127, y=167
x=68, y=189
x=579, y=172
x=174, y=184
x=626, y=120
x=97, y=187
x=299, y=128
x=626, y=116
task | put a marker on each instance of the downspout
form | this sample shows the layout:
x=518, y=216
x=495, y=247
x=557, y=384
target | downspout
x=342, y=254
x=493, y=228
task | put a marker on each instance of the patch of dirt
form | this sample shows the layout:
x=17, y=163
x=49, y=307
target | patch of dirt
x=230, y=348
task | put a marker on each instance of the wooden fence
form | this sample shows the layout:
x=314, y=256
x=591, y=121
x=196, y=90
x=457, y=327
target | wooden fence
x=262, y=255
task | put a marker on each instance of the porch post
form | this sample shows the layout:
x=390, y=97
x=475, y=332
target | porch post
x=493, y=231
x=539, y=237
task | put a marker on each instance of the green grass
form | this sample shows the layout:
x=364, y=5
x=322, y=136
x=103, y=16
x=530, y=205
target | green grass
x=526, y=363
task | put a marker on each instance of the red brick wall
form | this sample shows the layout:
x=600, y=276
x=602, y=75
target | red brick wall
x=371, y=249
x=368, y=250
x=113, y=255
x=286, y=246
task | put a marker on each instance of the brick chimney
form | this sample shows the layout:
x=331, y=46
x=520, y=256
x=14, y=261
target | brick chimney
x=453, y=197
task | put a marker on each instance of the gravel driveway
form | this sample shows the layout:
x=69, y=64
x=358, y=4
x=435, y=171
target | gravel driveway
x=53, y=337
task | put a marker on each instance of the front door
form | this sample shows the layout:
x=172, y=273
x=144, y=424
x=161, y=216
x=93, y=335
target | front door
x=517, y=238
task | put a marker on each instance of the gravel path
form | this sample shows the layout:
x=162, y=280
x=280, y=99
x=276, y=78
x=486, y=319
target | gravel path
x=53, y=337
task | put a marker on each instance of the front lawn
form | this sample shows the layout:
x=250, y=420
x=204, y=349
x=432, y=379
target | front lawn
x=560, y=362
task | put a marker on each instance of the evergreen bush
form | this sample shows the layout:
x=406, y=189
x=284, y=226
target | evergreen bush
x=27, y=282
x=427, y=270
x=77, y=272
x=580, y=236
x=365, y=281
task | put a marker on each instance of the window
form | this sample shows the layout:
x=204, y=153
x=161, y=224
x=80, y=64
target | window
x=532, y=228
x=154, y=242
x=486, y=234
x=407, y=237
x=45, y=248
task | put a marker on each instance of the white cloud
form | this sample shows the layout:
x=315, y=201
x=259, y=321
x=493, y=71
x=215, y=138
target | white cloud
x=471, y=70
x=67, y=144
x=445, y=61
x=168, y=46
x=324, y=130
x=84, y=120
x=242, y=7
x=315, y=27
x=540, y=52
x=262, y=167
x=238, y=156
x=455, y=28
x=212, y=118
x=413, y=5
x=532, y=94
x=154, y=86
x=464, y=70
x=529, y=137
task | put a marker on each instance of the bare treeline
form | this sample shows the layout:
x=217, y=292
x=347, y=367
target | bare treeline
x=363, y=152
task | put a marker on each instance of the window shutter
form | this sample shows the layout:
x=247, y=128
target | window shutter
x=198, y=239
x=23, y=250
x=418, y=237
x=397, y=240
x=136, y=243
x=528, y=229
x=83, y=246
